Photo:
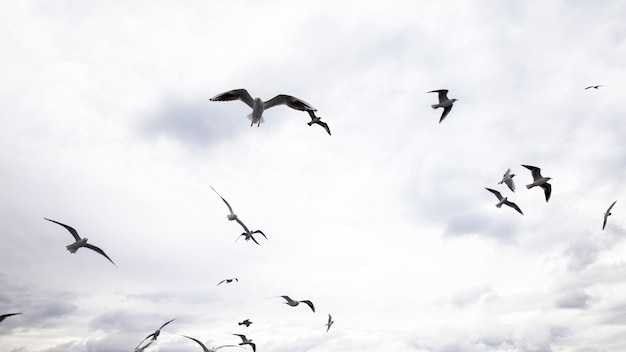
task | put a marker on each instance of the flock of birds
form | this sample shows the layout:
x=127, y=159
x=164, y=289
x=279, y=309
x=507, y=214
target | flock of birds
x=256, y=117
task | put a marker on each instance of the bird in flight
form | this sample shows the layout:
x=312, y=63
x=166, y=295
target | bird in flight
x=228, y=281
x=294, y=303
x=153, y=336
x=539, y=180
x=607, y=213
x=232, y=216
x=4, y=316
x=249, y=235
x=246, y=322
x=596, y=86
x=507, y=179
x=258, y=106
x=246, y=341
x=318, y=120
x=330, y=322
x=504, y=200
x=80, y=242
x=444, y=102
x=204, y=348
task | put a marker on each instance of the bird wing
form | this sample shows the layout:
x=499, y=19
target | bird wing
x=228, y=205
x=514, y=206
x=243, y=337
x=68, y=228
x=445, y=113
x=140, y=349
x=324, y=125
x=245, y=228
x=611, y=207
x=252, y=237
x=221, y=282
x=547, y=190
x=217, y=348
x=310, y=304
x=330, y=318
x=235, y=94
x=495, y=192
x=288, y=299
x=535, y=171
x=509, y=182
x=603, y=223
x=290, y=101
x=162, y=326
x=261, y=232
x=443, y=94
x=96, y=249
x=253, y=346
x=4, y=316
x=199, y=343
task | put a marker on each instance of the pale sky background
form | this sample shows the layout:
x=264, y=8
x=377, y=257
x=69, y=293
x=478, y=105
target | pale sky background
x=106, y=125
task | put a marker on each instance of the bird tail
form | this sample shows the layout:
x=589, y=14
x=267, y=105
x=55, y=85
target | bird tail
x=434, y=106
x=310, y=123
x=71, y=248
x=499, y=205
x=530, y=186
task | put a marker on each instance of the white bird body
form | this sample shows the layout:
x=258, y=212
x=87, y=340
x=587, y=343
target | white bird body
x=258, y=106
x=507, y=179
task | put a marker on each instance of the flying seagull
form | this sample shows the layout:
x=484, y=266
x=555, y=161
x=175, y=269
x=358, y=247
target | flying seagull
x=330, y=322
x=228, y=281
x=232, y=216
x=318, y=120
x=80, y=242
x=246, y=341
x=152, y=336
x=246, y=322
x=607, y=214
x=294, y=303
x=204, y=348
x=539, y=181
x=596, y=86
x=142, y=348
x=258, y=106
x=507, y=178
x=444, y=102
x=4, y=316
x=504, y=200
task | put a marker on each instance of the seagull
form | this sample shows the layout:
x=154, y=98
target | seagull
x=4, y=316
x=503, y=200
x=507, y=178
x=606, y=215
x=233, y=216
x=330, y=322
x=246, y=322
x=258, y=106
x=204, y=348
x=152, y=336
x=142, y=348
x=228, y=281
x=596, y=86
x=318, y=120
x=246, y=341
x=444, y=102
x=80, y=242
x=294, y=303
x=539, y=181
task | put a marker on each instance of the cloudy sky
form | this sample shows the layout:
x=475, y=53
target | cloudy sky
x=106, y=125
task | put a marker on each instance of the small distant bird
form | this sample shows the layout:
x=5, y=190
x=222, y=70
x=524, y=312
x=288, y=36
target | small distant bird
x=607, y=214
x=142, y=348
x=539, y=181
x=228, y=281
x=294, y=303
x=152, y=336
x=246, y=322
x=258, y=106
x=596, y=87
x=444, y=102
x=504, y=200
x=507, y=178
x=80, y=242
x=204, y=348
x=318, y=120
x=248, y=235
x=246, y=341
x=4, y=316
x=330, y=322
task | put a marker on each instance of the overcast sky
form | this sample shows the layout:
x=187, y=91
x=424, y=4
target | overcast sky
x=106, y=125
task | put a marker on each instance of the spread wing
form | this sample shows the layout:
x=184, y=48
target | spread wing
x=68, y=228
x=235, y=94
x=290, y=101
x=445, y=113
x=547, y=190
x=199, y=343
x=98, y=250
x=535, y=171
x=496, y=193
x=310, y=304
x=443, y=94
x=225, y=202
x=514, y=206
